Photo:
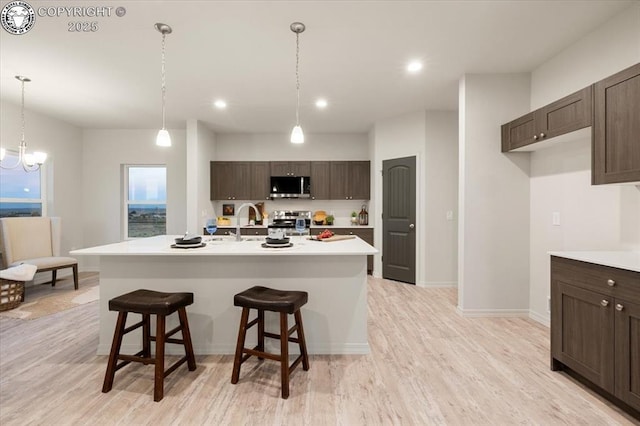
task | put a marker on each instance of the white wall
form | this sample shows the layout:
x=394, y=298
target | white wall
x=63, y=144
x=602, y=217
x=493, y=242
x=105, y=151
x=199, y=152
x=430, y=136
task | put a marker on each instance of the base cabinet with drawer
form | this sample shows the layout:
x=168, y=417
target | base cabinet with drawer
x=595, y=326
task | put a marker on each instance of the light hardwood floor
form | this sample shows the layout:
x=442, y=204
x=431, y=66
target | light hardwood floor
x=428, y=366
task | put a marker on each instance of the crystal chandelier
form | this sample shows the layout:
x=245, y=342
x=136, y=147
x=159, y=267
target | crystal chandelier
x=296, y=135
x=163, y=138
x=29, y=162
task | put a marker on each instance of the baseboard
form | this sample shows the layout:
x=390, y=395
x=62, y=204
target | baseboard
x=438, y=284
x=493, y=312
x=542, y=319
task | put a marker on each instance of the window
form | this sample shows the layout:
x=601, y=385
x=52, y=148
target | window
x=21, y=193
x=145, y=213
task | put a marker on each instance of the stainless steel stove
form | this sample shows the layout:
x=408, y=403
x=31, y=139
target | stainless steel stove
x=287, y=219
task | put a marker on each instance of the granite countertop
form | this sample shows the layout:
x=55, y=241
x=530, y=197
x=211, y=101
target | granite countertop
x=629, y=260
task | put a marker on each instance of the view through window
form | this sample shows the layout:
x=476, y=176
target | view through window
x=146, y=201
x=21, y=192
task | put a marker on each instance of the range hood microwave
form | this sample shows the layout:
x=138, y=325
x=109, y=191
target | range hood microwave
x=290, y=187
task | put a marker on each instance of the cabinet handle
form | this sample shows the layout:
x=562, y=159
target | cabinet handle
x=611, y=283
x=604, y=303
x=619, y=307
x=542, y=135
x=535, y=137
x=411, y=226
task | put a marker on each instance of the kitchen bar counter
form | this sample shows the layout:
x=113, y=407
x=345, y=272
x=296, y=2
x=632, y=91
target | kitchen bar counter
x=629, y=260
x=333, y=273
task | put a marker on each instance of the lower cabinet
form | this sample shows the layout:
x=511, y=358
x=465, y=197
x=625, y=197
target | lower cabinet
x=595, y=326
x=366, y=234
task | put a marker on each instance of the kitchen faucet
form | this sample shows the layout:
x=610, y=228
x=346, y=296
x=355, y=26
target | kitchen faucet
x=255, y=209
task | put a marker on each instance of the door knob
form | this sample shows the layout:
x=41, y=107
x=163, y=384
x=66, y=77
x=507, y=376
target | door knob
x=412, y=226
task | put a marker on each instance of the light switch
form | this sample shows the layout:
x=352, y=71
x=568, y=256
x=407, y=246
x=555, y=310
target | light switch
x=449, y=215
x=555, y=221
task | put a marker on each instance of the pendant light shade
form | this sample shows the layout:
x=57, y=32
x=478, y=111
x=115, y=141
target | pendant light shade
x=297, y=136
x=163, y=138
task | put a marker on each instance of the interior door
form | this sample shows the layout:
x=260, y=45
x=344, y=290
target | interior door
x=398, y=219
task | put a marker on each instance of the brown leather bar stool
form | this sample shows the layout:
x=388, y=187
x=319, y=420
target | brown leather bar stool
x=286, y=303
x=147, y=303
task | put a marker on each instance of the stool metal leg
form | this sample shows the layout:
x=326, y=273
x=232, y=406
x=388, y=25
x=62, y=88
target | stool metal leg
x=242, y=332
x=186, y=338
x=284, y=354
x=158, y=385
x=301, y=341
x=115, y=350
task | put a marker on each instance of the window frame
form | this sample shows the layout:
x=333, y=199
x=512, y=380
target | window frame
x=125, y=197
x=43, y=187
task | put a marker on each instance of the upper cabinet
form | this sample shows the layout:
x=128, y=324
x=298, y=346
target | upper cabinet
x=230, y=180
x=616, y=128
x=350, y=180
x=320, y=180
x=260, y=180
x=290, y=168
x=570, y=113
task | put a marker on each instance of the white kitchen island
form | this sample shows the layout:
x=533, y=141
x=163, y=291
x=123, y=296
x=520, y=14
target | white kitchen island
x=333, y=273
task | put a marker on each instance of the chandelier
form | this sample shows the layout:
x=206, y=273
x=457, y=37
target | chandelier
x=29, y=162
x=296, y=135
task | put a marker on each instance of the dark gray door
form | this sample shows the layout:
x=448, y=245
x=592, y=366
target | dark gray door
x=398, y=219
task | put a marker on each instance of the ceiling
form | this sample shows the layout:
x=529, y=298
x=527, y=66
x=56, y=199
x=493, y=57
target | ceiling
x=353, y=53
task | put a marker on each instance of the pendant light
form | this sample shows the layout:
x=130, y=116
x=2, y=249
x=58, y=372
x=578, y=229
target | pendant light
x=163, y=138
x=29, y=162
x=296, y=135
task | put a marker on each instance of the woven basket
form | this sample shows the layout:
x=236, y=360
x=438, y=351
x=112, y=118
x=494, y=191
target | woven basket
x=10, y=294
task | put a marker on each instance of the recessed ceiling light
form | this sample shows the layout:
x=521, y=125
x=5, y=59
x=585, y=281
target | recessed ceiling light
x=321, y=103
x=220, y=104
x=414, y=66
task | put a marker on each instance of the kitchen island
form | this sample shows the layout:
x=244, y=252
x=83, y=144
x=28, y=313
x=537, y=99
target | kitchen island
x=333, y=273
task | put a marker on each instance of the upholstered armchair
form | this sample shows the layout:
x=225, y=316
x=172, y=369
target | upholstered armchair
x=35, y=241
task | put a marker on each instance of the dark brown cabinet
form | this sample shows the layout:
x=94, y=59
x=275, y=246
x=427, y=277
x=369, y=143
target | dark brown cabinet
x=366, y=234
x=595, y=326
x=320, y=180
x=230, y=180
x=290, y=168
x=616, y=128
x=350, y=180
x=260, y=180
x=570, y=113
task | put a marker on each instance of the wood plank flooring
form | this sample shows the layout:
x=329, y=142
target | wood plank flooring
x=428, y=366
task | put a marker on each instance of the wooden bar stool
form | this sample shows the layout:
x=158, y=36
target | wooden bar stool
x=147, y=303
x=286, y=303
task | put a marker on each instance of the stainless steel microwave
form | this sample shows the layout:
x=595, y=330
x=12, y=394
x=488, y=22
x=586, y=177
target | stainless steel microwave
x=290, y=187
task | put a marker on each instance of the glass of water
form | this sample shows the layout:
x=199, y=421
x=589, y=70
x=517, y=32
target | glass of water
x=301, y=226
x=211, y=227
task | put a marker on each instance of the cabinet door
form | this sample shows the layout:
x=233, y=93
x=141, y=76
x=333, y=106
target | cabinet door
x=339, y=180
x=320, y=180
x=566, y=115
x=220, y=172
x=280, y=168
x=519, y=132
x=582, y=332
x=240, y=180
x=300, y=168
x=616, y=128
x=359, y=180
x=260, y=180
x=627, y=320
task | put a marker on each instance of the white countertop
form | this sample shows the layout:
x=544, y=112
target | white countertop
x=629, y=260
x=227, y=246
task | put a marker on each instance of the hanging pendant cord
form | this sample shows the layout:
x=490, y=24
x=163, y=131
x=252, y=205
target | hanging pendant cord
x=22, y=115
x=297, y=78
x=164, y=89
